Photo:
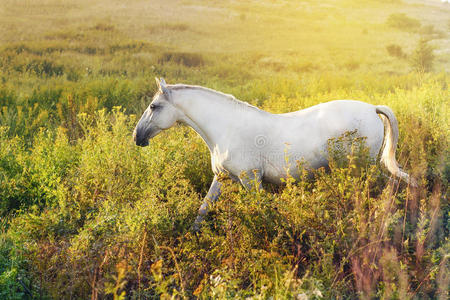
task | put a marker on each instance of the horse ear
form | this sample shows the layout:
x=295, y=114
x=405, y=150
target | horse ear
x=164, y=89
x=157, y=83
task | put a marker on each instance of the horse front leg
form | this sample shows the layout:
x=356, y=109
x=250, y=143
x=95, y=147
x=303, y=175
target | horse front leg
x=213, y=194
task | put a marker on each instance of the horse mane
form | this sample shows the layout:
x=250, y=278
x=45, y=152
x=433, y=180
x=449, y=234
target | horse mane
x=227, y=97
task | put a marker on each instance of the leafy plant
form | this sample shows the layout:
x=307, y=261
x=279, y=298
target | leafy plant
x=84, y=213
x=403, y=22
x=395, y=51
x=422, y=58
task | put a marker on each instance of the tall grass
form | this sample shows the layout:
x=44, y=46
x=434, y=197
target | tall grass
x=85, y=213
x=106, y=217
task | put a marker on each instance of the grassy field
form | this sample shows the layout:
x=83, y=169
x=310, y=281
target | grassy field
x=84, y=213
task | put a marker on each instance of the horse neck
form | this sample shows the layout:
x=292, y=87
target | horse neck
x=212, y=115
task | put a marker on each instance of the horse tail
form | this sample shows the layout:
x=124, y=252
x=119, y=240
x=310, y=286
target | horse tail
x=390, y=144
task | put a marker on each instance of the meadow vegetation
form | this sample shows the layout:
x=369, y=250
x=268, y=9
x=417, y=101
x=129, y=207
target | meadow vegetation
x=84, y=213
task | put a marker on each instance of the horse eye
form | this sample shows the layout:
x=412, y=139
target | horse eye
x=152, y=106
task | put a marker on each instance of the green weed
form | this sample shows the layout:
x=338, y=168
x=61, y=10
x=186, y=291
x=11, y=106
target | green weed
x=84, y=213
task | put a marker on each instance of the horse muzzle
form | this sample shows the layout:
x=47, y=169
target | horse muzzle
x=142, y=143
x=140, y=138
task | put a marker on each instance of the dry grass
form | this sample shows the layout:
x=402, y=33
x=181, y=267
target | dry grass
x=85, y=213
x=322, y=33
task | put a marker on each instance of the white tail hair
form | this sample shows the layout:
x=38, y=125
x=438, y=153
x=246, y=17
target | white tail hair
x=390, y=144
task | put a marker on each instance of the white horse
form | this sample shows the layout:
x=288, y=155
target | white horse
x=245, y=139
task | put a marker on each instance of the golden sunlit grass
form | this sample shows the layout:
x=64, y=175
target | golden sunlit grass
x=327, y=33
x=87, y=214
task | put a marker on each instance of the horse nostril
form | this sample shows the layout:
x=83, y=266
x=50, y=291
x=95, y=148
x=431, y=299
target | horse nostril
x=142, y=142
x=139, y=139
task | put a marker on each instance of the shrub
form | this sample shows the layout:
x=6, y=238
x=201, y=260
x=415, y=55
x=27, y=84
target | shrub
x=15, y=281
x=304, y=67
x=131, y=47
x=13, y=191
x=44, y=68
x=428, y=30
x=352, y=65
x=29, y=182
x=273, y=63
x=403, y=22
x=431, y=32
x=422, y=58
x=73, y=75
x=104, y=27
x=158, y=28
x=7, y=97
x=395, y=51
x=183, y=58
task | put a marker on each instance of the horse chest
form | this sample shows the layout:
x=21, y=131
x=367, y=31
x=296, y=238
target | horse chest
x=233, y=161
